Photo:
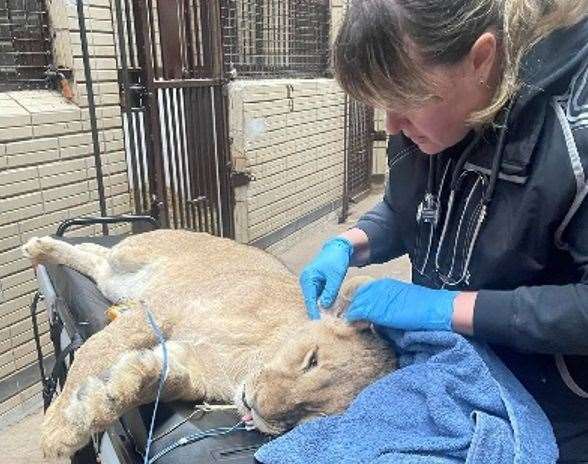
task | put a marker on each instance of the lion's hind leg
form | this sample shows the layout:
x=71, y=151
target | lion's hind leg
x=94, y=248
x=82, y=259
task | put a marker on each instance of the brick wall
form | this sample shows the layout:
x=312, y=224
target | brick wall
x=289, y=135
x=47, y=174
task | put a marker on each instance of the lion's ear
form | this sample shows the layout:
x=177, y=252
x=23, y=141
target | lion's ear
x=348, y=289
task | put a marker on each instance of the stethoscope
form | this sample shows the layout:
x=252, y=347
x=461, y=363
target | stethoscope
x=429, y=210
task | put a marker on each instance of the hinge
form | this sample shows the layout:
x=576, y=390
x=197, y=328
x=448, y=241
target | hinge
x=58, y=78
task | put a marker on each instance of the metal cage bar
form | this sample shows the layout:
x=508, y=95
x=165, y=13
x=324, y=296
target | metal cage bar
x=176, y=133
x=358, y=150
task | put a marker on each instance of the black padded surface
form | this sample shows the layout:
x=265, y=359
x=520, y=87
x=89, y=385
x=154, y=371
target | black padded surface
x=235, y=448
x=82, y=307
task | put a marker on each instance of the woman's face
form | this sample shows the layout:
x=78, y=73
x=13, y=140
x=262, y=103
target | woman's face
x=460, y=89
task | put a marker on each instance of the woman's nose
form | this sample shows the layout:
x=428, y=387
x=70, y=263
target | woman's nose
x=394, y=122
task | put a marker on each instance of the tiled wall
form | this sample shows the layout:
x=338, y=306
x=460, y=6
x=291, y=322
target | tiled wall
x=47, y=174
x=289, y=135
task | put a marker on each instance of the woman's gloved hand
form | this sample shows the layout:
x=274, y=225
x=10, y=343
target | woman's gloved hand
x=322, y=278
x=400, y=305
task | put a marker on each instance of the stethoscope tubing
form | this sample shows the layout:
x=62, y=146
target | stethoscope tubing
x=457, y=179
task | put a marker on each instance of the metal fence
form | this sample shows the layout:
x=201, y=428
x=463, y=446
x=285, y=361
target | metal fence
x=25, y=47
x=359, y=146
x=175, y=112
x=276, y=38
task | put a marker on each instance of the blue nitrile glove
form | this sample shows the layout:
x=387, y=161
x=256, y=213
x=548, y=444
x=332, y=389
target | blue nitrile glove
x=404, y=306
x=324, y=275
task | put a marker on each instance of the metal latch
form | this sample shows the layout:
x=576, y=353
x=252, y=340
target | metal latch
x=241, y=178
x=135, y=100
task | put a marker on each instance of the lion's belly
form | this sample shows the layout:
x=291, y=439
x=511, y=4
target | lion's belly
x=132, y=285
x=251, y=300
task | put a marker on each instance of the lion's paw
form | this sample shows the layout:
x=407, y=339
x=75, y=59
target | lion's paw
x=69, y=426
x=37, y=249
x=60, y=437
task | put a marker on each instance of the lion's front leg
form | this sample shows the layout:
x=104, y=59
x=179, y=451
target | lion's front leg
x=101, y=400
x=62, y=433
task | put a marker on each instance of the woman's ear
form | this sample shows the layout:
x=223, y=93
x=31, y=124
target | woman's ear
x=482, y=58
x=348, y=289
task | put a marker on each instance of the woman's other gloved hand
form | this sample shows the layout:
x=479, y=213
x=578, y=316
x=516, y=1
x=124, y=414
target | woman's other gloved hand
x=322, y=278
x=400, y=305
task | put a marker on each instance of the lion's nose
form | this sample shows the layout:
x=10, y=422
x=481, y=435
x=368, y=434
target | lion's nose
x=245, y=400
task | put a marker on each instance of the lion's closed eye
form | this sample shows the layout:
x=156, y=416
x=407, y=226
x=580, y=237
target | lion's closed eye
x=310, y=360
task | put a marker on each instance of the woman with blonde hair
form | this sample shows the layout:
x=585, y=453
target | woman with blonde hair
x=487, y=109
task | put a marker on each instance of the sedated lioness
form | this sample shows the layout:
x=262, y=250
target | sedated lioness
x=236, y=330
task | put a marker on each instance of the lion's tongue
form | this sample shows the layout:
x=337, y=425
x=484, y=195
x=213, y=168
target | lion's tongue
x=247, y=417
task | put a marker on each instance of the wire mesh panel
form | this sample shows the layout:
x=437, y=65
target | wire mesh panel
x=25, y=49
x=360, y=120
x=276, y=38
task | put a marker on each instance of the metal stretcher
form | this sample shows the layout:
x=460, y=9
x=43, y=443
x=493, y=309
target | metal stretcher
x=76, y=311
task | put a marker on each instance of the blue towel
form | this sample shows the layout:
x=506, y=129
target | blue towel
x=451, y=401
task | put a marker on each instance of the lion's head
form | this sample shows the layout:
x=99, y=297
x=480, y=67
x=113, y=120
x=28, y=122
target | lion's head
x=318, y=372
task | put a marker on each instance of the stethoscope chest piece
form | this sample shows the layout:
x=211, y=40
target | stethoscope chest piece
x=428, y=210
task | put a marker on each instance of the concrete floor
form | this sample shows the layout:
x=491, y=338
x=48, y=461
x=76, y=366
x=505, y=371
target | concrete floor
x=304, y=250
x=19, y=443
